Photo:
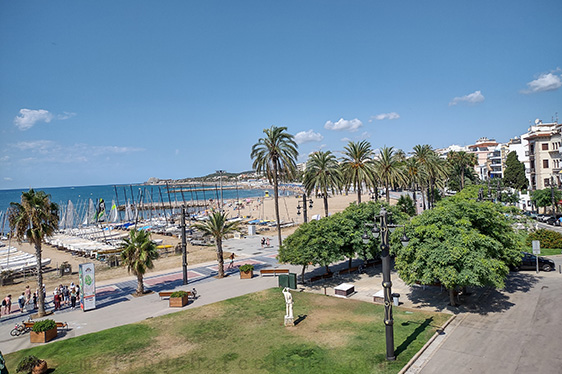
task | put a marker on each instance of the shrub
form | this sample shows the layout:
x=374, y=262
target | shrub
x=548, y=238
x=179, y=294
x=44, y=325
x=27, y=364
x=246, y=267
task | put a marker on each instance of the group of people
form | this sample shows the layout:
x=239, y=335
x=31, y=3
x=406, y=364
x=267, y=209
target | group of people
x=66, y=296
x=265, y=242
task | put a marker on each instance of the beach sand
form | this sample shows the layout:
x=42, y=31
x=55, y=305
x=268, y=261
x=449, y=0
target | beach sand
x=262, y=208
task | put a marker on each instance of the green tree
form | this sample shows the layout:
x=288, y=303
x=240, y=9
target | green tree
x=406, y=205
x=357, y=166
x=514, y=174
x=218, y=227
x=276, y=155
x=322, y=174
x=389, y=169
x=461, y=163
x=138, y=254
x=544, y=198
x=34, y=218
x=459, y=243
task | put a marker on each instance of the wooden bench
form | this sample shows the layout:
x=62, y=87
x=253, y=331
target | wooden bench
x=60, y=325
x=349, y=270
x=274, y=272
x=315, y=278
x=169, y=293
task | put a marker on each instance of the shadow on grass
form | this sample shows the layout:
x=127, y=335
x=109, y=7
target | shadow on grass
x=413, y=336
x=300, y=319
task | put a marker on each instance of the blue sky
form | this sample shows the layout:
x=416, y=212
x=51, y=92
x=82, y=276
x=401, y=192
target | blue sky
x=111, y=92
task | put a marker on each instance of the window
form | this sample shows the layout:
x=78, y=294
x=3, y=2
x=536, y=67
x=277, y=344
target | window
x=545, y=164
x=544, y=146
x=546, y=182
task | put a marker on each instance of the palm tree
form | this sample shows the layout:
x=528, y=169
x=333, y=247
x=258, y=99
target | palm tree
x=138, y=253
x=414, y=174
x=322, y=173
x=276, y=155
x=433, y=167
x=357, y=166
x=389, y=169
x=218, y=227
x=461, y=161
x=35, y=218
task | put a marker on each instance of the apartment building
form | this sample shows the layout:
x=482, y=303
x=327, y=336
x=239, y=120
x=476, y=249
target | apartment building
x=484, y=149
x=544, y=154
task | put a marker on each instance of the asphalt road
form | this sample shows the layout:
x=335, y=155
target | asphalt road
x=516, y=330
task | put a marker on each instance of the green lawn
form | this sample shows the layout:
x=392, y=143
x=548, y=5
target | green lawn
x=547, y=251
x=246, y=335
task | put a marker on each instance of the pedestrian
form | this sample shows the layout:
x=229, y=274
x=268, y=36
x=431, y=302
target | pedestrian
x=231, y=265
x=27, y=294
x=21, y=301
x=35, y=300
x=66, y=294
x=262, y=242
x=7, y=304
x=73, y=297
x=56, y=298
x=267, y=242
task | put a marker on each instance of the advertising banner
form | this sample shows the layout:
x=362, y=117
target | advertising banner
x=87, y=286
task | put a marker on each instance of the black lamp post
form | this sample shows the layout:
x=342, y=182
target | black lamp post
x=304, y=210
x=383, y=232
x=183, y=245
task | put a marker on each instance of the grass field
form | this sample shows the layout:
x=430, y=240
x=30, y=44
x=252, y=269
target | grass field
x=246, y=335
x=547, y=251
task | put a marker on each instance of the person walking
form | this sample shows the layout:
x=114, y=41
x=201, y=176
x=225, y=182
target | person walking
x=7, y=304
x=231, y=265
x=27, y=294
x=73, y=297
x=21, y=302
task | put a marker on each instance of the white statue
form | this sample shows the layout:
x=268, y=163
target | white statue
x=288, y=307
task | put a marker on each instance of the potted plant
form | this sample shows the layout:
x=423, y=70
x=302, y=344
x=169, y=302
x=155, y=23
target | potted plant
x=43, y=331
x=179, y=299
x=246, y=271
x=32, y=365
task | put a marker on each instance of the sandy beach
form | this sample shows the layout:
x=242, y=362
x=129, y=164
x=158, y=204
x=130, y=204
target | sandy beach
x=256, y=208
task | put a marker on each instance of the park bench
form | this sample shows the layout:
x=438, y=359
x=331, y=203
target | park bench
x=315, y=278
x=274, y=272
x=169, y=293
x=349, y=270
x=60, y=325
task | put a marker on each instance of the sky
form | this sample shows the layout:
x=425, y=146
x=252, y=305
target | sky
x=108, y=92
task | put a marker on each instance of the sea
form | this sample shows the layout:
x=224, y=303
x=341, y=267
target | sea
x=133, y=194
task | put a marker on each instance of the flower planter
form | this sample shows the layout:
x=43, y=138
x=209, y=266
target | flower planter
x=246, y=274
x=179, y=302
x=40, y=369
x=42, y=337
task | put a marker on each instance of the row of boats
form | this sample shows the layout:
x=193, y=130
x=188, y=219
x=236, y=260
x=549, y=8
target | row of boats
x=13, y=260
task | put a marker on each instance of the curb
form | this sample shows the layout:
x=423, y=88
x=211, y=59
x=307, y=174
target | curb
x=426, y=345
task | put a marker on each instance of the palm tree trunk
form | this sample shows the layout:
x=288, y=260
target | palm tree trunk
x=276, y=197
x=140, y=284
x=462, y=177
x=387, y=192
x=358, y=193
x=326, y=203
x=423, y=197
x=41, y=295
x=220, y=258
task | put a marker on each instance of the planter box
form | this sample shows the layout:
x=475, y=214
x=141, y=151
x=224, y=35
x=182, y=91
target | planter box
x=179, y=302
x=42, y=337
x=247, y=274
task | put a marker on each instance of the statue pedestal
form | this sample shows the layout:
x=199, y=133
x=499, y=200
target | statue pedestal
x=289, y=321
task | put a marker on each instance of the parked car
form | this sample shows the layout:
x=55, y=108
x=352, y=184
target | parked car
x=529, y=262
x=552, y=221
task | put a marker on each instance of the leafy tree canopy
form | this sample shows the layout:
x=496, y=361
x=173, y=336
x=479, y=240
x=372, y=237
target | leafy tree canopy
x=514, y=174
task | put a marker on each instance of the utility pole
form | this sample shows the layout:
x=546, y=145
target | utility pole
x=183, y=245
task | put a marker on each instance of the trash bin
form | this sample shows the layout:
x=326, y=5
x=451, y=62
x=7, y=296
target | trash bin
x=288, y=280
x=283, y=280
x=396, y=298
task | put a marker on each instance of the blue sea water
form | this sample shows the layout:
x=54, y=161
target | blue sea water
x=80, y=195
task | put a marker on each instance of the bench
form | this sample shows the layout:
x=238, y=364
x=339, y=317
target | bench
x=274, y=272
x=348, y=270
x=60, y=325
x=315, y=278
x=169, y=293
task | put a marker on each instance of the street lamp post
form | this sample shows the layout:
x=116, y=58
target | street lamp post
x=220, y=172
x=383, y=232
x=183, y=245
x=304, y=205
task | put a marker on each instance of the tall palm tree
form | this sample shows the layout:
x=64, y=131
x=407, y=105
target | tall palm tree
x=35, y=218
x=218, y=227
x=322, y=173
x=357, y=166
x=433, y=166
x=276, y=155
x=138, y=253
x=414, y=174
x=389, y=169
x=461, y=161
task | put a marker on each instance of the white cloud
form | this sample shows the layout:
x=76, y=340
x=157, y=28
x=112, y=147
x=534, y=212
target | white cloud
x=380, y=117
x=343, y=124
x=346, y=140
x=29, y=117
x=365, y=135
x=4, y=158
x=308, y=136
x=8, y=179
x=545, y=82
x=66, y=115
x=40, y=146
x=473, y=98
